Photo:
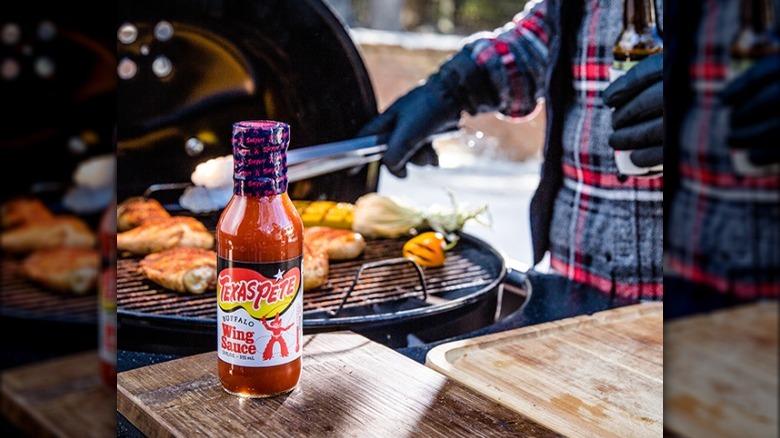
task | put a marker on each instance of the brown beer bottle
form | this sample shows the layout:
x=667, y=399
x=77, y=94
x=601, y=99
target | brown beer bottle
x=757, y=38
x=259, y=263
x=638, y=39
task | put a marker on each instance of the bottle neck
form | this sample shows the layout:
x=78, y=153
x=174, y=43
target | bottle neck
x=260, y=171
x=639, y=14
x=259, y=187
x=260, y=158
x=757, y=15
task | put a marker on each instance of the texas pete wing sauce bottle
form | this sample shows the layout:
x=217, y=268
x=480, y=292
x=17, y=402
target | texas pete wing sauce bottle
x=259, y=266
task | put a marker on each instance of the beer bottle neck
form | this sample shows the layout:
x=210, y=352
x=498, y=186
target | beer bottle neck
x=757, y=15
x=639, y=14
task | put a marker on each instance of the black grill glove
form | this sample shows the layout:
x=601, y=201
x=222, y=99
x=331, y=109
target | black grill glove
x=638, y=100
x=755, y=118
x=435, y=106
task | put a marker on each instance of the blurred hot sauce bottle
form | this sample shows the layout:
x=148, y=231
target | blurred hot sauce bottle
x=107, y=297
x=259, y=266
x=757, y=38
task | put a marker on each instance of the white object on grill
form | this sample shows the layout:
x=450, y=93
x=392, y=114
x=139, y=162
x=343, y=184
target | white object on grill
x=199, y=199
x=96, y=172
x=94, y=185
x=213, y=186
x=214, y=173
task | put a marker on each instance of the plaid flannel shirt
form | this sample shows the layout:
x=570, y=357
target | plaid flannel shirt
x=603, y=231
x=723, y=231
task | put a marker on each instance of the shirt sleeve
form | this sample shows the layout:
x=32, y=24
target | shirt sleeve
x=516, y=58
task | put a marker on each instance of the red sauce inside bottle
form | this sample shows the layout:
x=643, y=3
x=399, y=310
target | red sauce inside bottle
x=260, y=227
x=107, y=297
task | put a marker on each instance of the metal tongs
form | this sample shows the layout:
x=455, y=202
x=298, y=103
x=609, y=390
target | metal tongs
x=318, y=160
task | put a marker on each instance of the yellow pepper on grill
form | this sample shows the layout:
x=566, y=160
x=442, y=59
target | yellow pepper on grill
x=325, y=213
x=427, y=249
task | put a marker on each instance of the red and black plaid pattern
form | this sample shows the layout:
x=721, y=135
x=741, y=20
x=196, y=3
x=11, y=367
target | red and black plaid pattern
x=606, y=232
x=516, y=59
x=724, y=232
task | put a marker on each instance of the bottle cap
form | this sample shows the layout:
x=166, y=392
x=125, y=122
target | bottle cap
x=260, y=157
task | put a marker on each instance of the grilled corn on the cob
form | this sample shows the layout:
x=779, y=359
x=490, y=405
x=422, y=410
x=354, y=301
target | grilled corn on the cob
x=325, y=213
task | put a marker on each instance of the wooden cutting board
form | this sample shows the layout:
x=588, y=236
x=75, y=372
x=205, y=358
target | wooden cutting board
x=62, y=397
x=722, y=369
x=350, y=386
x=599, y=375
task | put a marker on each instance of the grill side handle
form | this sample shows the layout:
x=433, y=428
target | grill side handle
x=516, y=279
x=379, y=264
x=516, y=276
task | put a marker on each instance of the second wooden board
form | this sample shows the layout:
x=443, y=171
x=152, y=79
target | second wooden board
x=599, y=375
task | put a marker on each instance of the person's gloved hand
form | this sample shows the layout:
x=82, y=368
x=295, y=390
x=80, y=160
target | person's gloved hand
x=638, y=100
x=755, y=118
x=435, y=106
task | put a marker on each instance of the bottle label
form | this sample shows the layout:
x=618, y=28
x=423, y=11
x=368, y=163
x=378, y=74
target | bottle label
x=259, y=312
x=737, y=66
x=744, y=166
x=619, y=68
x=107, y=316
x=627, y=167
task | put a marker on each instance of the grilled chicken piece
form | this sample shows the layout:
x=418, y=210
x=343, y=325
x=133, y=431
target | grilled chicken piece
x=65, y=269
x=138, y=210
x=182, y=269
x=20, y=211
x=338, y=244
x=323, y=244
x=60, y=230
x=165, y=234
x=315, y=267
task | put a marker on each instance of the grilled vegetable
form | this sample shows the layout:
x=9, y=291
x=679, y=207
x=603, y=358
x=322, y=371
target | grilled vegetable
x=427, y=249
x=386, y=216
x=325, y=213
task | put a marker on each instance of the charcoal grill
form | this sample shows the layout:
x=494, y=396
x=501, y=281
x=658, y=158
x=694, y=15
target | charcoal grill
x=378, y=295
x=234, y=60
x=22, y=298
x=303, y=69
x=41, y=323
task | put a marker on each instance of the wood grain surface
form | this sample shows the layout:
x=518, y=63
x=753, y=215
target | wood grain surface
x=722, y=369
x=350, y=386
x=599, y=375
x=62, y=397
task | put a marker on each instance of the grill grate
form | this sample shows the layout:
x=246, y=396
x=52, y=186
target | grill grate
x=25, y=299
x=463, y=271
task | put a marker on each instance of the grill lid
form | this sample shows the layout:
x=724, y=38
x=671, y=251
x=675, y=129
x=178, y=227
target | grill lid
x=220, y=62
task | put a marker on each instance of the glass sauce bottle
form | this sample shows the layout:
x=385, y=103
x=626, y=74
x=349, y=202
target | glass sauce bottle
x=638, y=40
x=259, y=265
x=107, y=297
x=757, y=36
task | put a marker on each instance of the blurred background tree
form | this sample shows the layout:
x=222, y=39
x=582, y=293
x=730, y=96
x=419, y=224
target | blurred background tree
x=459, y=17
